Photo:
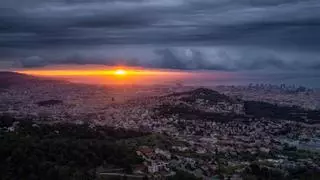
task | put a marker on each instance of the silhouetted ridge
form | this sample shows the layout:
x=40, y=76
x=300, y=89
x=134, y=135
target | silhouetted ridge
x=8, y=79
x=13, y=75
x=205, y=91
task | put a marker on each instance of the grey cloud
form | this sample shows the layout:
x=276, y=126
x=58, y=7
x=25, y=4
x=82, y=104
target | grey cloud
x=37, y=61
x=169, y=59
x=214, y=58
x=33, y=61
x=189, y=59
x=169, y=22
x=78, y=59
x=33, y=27
x=196, y=60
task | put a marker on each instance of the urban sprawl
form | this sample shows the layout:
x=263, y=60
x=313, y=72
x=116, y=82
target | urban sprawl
x=213, y=132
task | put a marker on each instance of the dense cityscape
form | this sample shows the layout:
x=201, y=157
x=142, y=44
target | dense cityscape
x=159, y=90
x=223, y=132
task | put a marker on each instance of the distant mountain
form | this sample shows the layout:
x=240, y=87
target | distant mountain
x=8, y=79
x=8, y=74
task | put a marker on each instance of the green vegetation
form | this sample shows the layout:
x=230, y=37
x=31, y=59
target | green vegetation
x=152, y=140
x=301, y=154
x=258, y=171
x=189, y=112
x=211, y=96
x=263, y=109
x=254, y=171
x=61, y=151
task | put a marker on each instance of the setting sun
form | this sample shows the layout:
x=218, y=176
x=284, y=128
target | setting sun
x=120, y=72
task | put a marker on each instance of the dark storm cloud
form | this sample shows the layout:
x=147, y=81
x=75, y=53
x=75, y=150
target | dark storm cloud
x=168, y=21
x=248, y=60
x=33, y=61
x=78, y=59
x=185, y=59
x=31, y=27
x=170, y=59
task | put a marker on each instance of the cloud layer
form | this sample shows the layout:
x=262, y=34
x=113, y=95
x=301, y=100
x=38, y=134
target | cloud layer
x=192, y=34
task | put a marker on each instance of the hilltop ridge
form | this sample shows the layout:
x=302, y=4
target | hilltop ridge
x=9, y=78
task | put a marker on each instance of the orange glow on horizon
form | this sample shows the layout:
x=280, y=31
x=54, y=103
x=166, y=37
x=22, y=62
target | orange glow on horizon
x=120, y=72
x=109, y=71
x=96, y=74
x=107, y=75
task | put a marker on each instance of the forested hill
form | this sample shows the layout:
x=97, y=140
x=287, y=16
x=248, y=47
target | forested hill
x=61, y=151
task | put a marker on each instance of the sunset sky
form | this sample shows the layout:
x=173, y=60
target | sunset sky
x=172, y=36
x=99, y=74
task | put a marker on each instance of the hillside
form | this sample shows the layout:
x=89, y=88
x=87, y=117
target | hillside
x=207, y=104
x=8, y=79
